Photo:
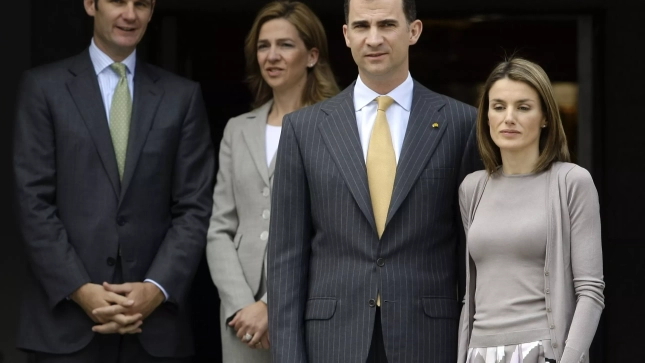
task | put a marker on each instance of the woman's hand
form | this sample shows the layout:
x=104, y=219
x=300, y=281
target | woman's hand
x=253, y=320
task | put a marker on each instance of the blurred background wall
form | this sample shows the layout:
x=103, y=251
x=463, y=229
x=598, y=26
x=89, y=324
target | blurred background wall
x=591, y=49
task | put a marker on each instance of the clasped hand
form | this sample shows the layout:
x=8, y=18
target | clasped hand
x=118, y=308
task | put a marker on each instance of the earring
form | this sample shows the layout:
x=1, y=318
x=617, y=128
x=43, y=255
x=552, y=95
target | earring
x=311, y=65
x=543, y=126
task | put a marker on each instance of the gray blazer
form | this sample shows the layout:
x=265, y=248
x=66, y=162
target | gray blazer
x=573, y=282
x=239, y=226
x=76, y=217
x=325, y=260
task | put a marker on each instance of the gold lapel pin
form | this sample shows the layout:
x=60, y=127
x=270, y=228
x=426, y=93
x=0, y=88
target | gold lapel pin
x=435, y=125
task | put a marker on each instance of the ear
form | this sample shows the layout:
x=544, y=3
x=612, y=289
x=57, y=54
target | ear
x=416, y=27
x=313, y=57
x=345, y=35
x=90, y=9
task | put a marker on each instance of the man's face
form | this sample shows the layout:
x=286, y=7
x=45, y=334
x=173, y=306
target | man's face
x=379, y=37
x=119, y=25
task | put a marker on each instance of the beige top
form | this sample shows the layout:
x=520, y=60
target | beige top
x=573, y=283
x=507, y=242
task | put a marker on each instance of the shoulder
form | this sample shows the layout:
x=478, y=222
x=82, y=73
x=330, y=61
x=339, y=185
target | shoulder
x=169, y=80
x=471, y=183
x=573, y=177
x=248, y=119
x=342, y=102
x=449, y=104
x=473, y=179
x=56, y=72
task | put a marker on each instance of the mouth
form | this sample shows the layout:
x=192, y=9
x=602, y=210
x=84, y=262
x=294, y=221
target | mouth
x=509, y=132
x=273, y=70
x=126, y=29
x=375, y=55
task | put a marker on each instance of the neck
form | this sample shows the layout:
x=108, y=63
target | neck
x=115, y=55
x=284, y=102
x=519, y=162
x=384, y=84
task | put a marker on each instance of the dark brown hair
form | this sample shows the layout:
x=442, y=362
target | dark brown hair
x=321, y=83
x=409, y=9
x=553, y=141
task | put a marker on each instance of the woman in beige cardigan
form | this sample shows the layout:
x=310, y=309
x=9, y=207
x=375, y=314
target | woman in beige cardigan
x=534, y=260
x=288, y=68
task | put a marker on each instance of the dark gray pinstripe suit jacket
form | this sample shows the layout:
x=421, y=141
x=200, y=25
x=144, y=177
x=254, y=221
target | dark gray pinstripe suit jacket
x=323, y=245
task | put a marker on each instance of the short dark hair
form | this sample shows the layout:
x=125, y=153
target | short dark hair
x=409, y=9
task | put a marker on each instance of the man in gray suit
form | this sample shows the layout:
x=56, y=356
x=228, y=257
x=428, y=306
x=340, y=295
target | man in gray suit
x=113, y=167
x=363, y=262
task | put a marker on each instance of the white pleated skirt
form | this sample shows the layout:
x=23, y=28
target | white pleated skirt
x=535, y=352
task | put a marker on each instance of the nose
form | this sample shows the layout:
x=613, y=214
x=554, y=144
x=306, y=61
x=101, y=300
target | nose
x=374, y=38
x=128, y=12
x=274, y=54
x=509, y=117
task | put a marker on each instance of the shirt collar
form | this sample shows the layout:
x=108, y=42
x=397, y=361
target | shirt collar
x=402, y=94
x=101, y=60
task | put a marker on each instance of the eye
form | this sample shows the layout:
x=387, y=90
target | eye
x=262, y=46
x=288, y=45
x=524, y=108
x=498, y=107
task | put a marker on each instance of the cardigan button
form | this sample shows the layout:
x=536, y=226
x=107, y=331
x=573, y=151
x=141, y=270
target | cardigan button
x=552, y=326
x=555, y=345
x=548, y=310
x=548, y=291
x=546, y=273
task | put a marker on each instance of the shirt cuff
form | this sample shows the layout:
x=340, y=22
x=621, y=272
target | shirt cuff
x=159, y=286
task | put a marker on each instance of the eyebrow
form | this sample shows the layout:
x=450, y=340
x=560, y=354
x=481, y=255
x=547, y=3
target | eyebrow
x=380, y=22
x=277, y=40
x=518, y=101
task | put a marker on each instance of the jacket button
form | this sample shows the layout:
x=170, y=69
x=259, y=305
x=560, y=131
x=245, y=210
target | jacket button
x=121, y=221
x=264, y=235
x=265, y=192
x=111, y=261
x=380, y=262
x=548, y=291
x=555, y=345
x=552, y=326
x=546, y=273
x=372, y=303
x=548, y=310
x=265, y=214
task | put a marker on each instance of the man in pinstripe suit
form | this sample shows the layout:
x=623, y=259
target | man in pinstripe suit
x=349, y=281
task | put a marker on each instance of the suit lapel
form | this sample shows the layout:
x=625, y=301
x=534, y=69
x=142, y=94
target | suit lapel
x=255, y=138
x=85, y=92
x=144, y=108
x=340, y=134
x=421, y=140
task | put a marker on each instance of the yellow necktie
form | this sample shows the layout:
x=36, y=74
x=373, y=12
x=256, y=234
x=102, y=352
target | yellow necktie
x=120, y=113
x=381, y=167
x=381, y=164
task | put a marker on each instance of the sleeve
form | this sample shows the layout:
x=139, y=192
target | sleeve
x=586, y=263
x=464, y=200
x=51, y=257
x=181, y=250
x=221, y=254
x=288, y=251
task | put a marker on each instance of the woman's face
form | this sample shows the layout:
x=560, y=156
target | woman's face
x=282, y=55
x=515, y=116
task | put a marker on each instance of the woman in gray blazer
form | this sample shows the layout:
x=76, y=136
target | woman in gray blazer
x=288, y=68
x=534, y=259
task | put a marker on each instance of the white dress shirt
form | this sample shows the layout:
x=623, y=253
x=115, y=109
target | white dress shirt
x=108, y=80
x=398, y=114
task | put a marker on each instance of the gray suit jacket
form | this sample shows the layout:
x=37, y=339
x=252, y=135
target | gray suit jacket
x=325, y=260
x=239, y=228
x=76, y=217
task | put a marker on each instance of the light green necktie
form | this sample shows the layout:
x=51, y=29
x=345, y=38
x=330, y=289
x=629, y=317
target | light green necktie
x=120, y=114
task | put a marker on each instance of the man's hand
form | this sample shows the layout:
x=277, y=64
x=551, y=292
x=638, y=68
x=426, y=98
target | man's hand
x=254, y=320
x=91, y=297
x=146, y=296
